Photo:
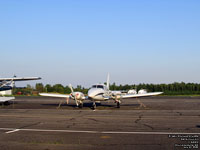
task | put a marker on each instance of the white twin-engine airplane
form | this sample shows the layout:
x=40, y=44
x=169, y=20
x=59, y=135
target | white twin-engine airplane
x=98, y=93
x=9, y=83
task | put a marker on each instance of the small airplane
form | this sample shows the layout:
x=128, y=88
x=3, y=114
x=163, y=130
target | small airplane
x=98, y=93
x=9, y=83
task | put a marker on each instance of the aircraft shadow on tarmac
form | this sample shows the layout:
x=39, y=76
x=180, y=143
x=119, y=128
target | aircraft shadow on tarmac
x=198, y=126
x=8, y=103
x=72, y=105
x=89, y=105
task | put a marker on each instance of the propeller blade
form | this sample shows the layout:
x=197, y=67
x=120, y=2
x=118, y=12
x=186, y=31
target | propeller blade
x=70, y=86
x=76, y=101
x=67, y=100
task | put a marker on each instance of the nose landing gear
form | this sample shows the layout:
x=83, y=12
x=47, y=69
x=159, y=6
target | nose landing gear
x=94, y=106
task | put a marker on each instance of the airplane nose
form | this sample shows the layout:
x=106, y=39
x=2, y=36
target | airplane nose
x=91, y=93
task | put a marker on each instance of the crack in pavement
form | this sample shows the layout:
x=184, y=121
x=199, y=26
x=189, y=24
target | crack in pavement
x=180, y=114
x=137, y=120
x=148, y=126
x=29, y=125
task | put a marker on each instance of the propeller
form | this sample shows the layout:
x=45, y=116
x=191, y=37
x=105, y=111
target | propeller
x=73, y=94
x=77, y=96
x=70, y=86
x=117, y=98
x=67, y=100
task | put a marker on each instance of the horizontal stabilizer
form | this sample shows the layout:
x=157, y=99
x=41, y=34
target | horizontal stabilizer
x=55, y=95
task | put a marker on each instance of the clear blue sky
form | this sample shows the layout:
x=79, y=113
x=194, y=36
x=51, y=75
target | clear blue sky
x=80, y=41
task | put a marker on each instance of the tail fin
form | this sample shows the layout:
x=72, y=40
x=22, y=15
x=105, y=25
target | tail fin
x=108, y=81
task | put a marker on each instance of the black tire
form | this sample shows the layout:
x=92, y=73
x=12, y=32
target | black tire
x=94, y=106
x=80, y=105
x=118, y=105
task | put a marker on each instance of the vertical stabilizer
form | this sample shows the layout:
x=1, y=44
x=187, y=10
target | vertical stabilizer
x=108, y=81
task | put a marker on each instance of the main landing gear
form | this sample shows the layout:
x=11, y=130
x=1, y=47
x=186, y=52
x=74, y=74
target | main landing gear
x=80, y=105
x=117, y=100
x=118, y=104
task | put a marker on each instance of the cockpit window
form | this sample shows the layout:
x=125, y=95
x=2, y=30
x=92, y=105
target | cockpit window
x=100, y=86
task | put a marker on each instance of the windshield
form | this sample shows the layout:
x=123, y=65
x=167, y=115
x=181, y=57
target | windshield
x=100, y=86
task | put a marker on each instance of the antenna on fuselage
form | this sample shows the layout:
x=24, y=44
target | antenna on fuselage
x=108, y=81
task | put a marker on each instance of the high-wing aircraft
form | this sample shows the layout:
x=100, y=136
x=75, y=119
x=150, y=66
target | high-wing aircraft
x=98, y=93
x=9, y=83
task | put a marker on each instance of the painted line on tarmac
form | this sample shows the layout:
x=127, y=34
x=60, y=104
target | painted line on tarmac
x=12, y=130
x=153, y=133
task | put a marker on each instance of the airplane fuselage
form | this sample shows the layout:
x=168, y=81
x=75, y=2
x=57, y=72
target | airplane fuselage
x=98, y=92
x=5, y=88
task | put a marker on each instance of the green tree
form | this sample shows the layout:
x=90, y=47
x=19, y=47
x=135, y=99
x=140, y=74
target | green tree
x=59, y=88
x=39, y=87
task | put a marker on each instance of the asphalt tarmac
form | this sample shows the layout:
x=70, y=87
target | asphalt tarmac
x=154, y=123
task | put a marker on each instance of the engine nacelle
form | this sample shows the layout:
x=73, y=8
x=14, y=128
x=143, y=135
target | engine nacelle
x=78, y=95
x=117, y=97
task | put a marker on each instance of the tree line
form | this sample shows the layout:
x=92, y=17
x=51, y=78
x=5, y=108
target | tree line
x=168, y=89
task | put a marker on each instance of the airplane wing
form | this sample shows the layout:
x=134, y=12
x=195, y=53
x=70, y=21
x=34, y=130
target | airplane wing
x=55, y=95
x=5, y=99
x=19, y=79
x=141, y=95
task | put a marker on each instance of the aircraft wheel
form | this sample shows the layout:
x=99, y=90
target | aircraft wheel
x=80, y=105
x=94, y=105
x=118, y=104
